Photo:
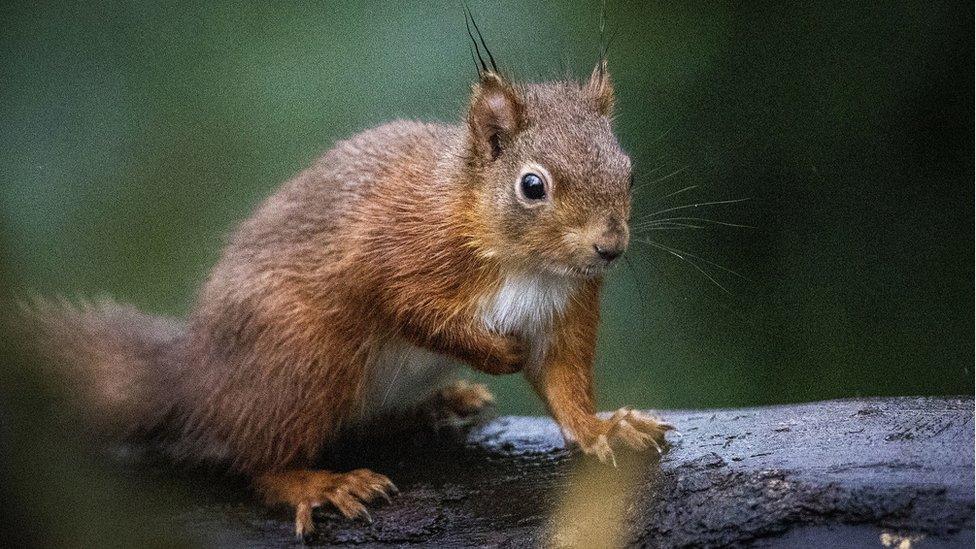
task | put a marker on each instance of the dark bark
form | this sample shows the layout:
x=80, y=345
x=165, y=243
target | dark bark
x=840, y=473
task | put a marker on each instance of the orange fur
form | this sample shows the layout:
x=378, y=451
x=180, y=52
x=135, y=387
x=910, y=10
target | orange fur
x=406, y=239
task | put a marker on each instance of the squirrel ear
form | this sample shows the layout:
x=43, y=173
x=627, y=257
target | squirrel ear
x=495, y=115
x=599, y=90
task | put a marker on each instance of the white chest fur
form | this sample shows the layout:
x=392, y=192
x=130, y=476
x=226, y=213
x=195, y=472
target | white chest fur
x=527, y=304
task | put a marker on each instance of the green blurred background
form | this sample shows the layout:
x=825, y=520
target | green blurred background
x=136, y=135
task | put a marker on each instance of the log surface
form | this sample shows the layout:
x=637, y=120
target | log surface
x=849, y=473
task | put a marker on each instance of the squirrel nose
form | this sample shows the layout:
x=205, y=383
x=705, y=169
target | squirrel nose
x=608, y=252
x=612, y=242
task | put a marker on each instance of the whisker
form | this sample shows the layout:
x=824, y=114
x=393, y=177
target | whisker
x=700, y=258
x=675, y=193
x=679, y=255
x=657, y=169
x=660, y=179
x=652, y=222
x=664, y=134
x=640, y=290
x=666, y=225
x=713, y=221
x=695, y=205
x=661, y=221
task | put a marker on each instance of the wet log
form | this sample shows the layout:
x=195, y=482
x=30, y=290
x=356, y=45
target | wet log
x=894, y=472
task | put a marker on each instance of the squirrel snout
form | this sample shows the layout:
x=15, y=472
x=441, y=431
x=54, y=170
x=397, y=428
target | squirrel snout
x=612, y=243
x=608, y=252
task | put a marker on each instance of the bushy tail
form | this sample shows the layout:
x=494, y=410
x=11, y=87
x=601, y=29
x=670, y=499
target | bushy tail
x=123, y=362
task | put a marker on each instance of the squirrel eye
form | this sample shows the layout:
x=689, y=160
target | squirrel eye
x=532, y=187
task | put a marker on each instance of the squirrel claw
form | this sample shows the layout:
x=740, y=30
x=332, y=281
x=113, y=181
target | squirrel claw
x=600, y=448
x=630, y=428
x=306, y=490
x=365, y=516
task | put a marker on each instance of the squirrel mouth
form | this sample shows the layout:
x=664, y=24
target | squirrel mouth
x=575, y=270
x=590, y=271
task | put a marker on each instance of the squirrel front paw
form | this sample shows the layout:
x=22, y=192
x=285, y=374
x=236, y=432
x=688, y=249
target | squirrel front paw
x=464, y=398
x=508, y=356
x=634, y=429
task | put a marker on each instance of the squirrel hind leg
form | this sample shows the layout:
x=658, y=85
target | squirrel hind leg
x=306, y=489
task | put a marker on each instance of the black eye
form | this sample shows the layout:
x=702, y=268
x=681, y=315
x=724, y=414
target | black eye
x=532, y=187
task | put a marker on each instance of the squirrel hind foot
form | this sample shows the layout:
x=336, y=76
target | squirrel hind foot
x=305, y=490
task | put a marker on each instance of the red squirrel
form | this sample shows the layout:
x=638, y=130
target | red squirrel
x=362, y=285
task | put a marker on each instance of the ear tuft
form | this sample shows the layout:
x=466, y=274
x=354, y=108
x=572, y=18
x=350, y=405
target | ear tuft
x=599, y=90
x=495, y=115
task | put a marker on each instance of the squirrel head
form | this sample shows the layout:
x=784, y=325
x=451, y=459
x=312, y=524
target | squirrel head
x=552, y=184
